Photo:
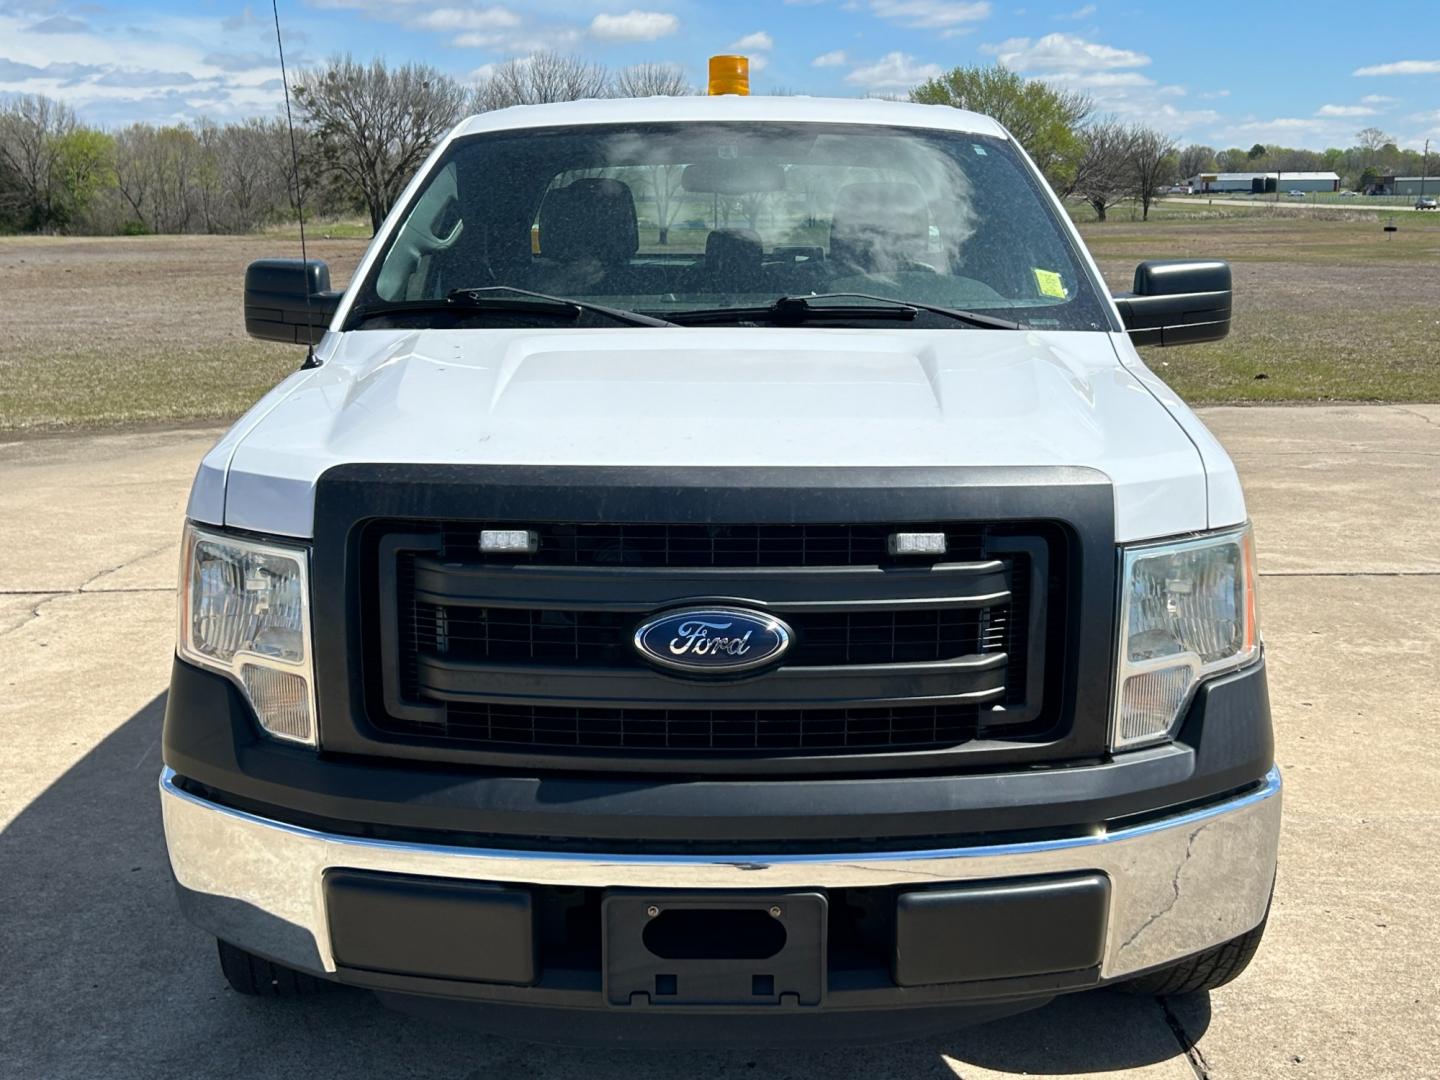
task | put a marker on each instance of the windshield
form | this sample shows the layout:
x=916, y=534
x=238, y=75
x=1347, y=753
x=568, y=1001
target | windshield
x=686, y=217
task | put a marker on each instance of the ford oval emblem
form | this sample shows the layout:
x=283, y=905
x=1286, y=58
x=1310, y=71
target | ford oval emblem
x=717, y=640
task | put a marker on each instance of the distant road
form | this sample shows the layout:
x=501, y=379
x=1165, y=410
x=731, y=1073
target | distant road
x=1358, y=203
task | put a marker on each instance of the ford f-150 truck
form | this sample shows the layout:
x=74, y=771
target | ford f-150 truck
x=723, y=571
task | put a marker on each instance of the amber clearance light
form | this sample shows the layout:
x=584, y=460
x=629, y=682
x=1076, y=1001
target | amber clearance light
x=730, y=75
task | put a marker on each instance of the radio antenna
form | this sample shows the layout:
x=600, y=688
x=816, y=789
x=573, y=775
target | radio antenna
x=310, y=360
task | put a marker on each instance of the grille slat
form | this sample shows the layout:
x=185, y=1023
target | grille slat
x=799, y=730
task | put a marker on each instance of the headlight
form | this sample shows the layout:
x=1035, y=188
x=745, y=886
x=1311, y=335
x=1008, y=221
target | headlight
x=245, y=611
x=1187, y=612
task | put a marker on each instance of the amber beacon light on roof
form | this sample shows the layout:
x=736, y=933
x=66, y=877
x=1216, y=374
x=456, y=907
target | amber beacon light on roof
x=730, y=75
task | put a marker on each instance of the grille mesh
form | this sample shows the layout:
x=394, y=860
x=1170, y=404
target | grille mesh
x=775, y=730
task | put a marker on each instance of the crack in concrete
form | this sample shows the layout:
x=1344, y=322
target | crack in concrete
x=122, y=565
x=49, y=596
x=1198, y=1065
x=1174, y=886
x=1417, y=415
x=34, y=612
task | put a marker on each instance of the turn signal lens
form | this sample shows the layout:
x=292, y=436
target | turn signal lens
x=245, y=612
x=1187, y=612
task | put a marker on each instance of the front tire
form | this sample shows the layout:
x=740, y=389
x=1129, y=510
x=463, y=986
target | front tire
x=254, y=976
x=1208, y=970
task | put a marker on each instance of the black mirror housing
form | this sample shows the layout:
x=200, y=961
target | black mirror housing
x=289, y=300
x=1177, y=302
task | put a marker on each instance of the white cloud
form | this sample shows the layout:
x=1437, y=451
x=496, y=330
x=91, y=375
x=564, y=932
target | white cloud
x=1377, y=99
x=1345, y=110
x=493, y=18
x=930, y=14
x=759, y=40
x=521, y=42
x=1097, y=81
x=1210, y=95
x=634, y=26
x=837, y=58
x=1402, y=67
x=1063, y=52
x=893, y=71
x=1080, y=13
x=758, y=64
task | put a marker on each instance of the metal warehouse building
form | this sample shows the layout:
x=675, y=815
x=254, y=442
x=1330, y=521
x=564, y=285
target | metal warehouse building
x=1407, y=185
x=1259, y=183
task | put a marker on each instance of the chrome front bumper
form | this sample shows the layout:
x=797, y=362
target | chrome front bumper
x=1178, y=884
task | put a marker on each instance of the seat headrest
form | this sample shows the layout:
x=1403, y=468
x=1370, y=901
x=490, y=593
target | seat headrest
x=879, y=226
x=733, y=249
x=592, y=218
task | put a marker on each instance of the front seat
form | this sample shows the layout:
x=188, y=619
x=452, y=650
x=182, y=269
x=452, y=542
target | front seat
x=588, y=234
x=733, y=263
x=879, y=229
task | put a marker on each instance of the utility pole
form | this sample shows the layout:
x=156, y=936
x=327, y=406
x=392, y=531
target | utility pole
x=1424, y=167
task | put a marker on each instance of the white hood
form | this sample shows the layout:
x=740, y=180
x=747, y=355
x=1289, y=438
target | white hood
x=708, y=397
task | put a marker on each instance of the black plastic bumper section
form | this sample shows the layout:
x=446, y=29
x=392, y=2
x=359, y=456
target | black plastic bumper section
x=212, y=742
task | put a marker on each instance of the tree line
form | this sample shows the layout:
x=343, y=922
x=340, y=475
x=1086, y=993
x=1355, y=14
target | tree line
x=362, y=129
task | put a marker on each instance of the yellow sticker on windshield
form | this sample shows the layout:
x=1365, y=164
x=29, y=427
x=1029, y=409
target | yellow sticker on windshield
x=1049, y=283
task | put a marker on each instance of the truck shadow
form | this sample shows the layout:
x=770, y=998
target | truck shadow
x=104, y=978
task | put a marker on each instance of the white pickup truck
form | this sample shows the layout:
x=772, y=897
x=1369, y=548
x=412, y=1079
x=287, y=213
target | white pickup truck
x=724, y=572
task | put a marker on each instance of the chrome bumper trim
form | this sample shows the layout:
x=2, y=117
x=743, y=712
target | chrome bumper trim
x=1179, y=884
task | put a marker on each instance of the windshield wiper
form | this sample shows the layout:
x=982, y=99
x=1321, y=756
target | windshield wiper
x=508, y=298
x=793, y=310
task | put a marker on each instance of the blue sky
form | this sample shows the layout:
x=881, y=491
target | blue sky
x=1301, y=75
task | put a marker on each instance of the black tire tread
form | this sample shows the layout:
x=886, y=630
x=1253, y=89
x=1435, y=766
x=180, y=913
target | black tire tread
x=1208, y=970
x=255, y=976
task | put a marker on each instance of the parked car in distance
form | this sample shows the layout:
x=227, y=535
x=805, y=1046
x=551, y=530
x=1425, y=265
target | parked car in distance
x=1295, y=194
x=1425, y=203
x=1349, y=194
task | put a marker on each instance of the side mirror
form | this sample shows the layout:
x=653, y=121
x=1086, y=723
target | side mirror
x=289, y=300
x=1177, y=302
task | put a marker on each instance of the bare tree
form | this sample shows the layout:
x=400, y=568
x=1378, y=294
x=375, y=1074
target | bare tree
x=1195, y=159
x=541, y=78
x=1152, y=164
x=375, y=124
x=1102, y=173
x=32, y=133
x=652, y=80
x=1371, y=142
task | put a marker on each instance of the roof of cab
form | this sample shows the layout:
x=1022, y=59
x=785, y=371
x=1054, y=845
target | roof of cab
x=732, y=107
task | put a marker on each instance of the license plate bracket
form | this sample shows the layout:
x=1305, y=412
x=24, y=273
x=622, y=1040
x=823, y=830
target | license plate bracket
x=717, y=949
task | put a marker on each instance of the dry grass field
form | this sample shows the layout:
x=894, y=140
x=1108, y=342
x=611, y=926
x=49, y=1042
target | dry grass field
x=105, y=332
x=120, y=331
x=1325, y=310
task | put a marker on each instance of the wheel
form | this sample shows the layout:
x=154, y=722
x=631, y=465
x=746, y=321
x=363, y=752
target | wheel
x=1204, y=971
x=255, y=976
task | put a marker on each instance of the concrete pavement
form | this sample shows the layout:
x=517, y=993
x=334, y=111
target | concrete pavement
x=99, y=977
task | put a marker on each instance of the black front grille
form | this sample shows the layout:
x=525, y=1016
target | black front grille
x=710, y=730
x=534, y=654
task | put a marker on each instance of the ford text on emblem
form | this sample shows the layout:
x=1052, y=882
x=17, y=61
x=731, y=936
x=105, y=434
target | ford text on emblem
x=719, y=640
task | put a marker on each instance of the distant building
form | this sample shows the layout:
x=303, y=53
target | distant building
x=1261, y=183
x=1404, y=185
